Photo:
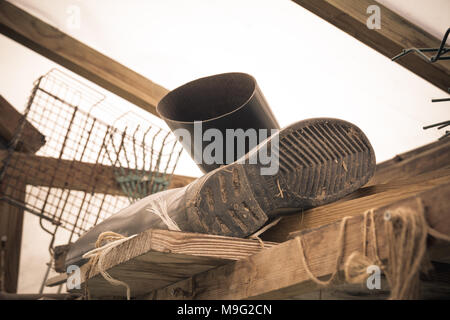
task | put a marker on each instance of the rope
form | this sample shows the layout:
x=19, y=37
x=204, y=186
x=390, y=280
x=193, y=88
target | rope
x=159, y=207
x=97, y=255
x=263, y=229
x=355, y=268
x=339, y=256
x=108, y=240
x=406, y=232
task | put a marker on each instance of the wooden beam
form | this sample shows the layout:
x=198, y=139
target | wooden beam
x=364, y=199
x=11, y=225
x=31, y=139
x=416, y=152
x=412, y=163
x=156, y=258
x=337, y=211
x=38, y=171
x=396, y=34
x=56, y=280
x=279, y=272
x=38, y=296
x=72, y=54
x=406, y=174
x=11, y=217
x=434, y=286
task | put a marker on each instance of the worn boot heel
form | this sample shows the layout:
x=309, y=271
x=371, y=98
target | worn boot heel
x=319, y=161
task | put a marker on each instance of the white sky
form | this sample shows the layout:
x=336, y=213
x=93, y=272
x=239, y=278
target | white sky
x=304, y=66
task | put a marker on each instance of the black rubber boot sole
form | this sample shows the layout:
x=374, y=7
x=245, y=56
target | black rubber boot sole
x=320, y=161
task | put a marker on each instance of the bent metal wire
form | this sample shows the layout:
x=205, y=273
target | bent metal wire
x=96, y=159
x=441, y=52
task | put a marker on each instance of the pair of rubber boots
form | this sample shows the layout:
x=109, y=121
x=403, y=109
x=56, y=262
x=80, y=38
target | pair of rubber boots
x=307, y=164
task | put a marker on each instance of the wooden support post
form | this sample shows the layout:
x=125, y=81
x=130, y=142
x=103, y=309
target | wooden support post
x=396, y=33
x=31, y=139
x=57, y=46
x=11, y=224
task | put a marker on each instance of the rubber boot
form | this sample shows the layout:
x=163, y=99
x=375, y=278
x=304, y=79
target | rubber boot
x=222, y=102
x=317, y=161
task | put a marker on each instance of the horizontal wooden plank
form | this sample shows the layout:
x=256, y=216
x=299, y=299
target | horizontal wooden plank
x=416, y=152
x=396, y=33
x=56, y=280
x=88, y=177
x=31, y=139
x=417, y=169
x=412, y=163
x=157, y=258
x=72, y=54
x=364, y=199
x=278, y=272
x=434, y=286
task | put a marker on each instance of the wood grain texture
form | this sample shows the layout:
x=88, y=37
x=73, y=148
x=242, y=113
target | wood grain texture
x=31, y=139
x=374, y=197
x=88, y=177
x=56, y=280
x=410, y=154
x=434, y=286
x=11, y=225
x=396, y=34
x=278, y=272
x=157, y=258
x=418, y=170
x=57, y=46
x=11, y=217
x=426, y=158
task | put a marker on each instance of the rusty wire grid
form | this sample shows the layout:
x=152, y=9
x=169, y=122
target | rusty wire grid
x=97, y=159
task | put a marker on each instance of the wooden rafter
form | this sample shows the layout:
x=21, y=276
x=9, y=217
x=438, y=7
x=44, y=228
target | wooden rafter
x=396, y=34
x=72, y=54
x=83, y=175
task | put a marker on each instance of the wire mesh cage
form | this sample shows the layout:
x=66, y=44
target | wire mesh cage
x=96, y=159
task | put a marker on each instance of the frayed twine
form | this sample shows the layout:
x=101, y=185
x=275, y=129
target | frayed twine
x=406, y=232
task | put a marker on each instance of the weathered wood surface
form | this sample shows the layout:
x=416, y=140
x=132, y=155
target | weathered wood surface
x=72, y=54
x=434, y=285
x=394, y=179
x=56, y=280
x=11, y=217
x=429, y=157
x=11, y=225
x=365, y=199
x=31, y=139
x=88, y=177
x=157, y=258
x=278, y=272
x=396, y=34
x=419, y=151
